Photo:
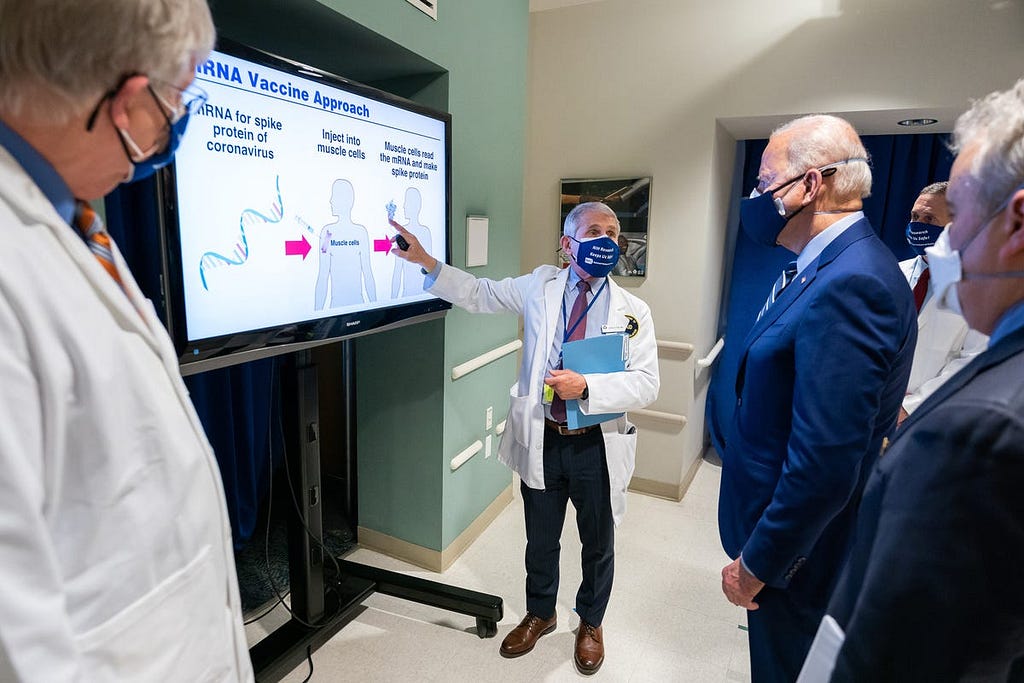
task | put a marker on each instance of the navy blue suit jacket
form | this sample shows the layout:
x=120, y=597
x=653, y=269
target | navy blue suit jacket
x=819, y=385
x=932, y=588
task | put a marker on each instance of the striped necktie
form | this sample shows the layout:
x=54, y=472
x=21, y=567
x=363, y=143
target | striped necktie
x=785, y=278
x=91, y=226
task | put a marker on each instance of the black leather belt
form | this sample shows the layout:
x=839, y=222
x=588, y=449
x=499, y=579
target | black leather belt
x=565, y=431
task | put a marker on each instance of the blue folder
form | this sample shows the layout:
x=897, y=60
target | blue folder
x=606, y=353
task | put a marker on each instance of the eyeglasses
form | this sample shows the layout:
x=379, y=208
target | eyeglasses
x=827, y=171
x=191, y=98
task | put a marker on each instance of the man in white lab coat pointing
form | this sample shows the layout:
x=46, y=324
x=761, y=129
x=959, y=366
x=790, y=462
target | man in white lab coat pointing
x=115, y=551
x=589, y=465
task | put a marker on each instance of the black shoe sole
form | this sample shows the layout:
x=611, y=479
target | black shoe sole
x=513, y=655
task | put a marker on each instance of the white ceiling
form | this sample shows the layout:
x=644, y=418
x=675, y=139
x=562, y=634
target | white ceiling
x=542, y=5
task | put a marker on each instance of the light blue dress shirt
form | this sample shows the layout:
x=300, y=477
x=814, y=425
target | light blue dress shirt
x=824, y=238
x=42, y=173
x=1011, y=321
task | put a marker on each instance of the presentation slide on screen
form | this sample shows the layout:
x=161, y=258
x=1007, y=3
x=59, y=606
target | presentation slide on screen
x=285, y=187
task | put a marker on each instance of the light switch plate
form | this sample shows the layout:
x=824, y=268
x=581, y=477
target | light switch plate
x=476, y=241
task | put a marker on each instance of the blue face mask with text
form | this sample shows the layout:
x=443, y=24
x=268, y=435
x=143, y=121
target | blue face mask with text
x=920, y=236
x=597, y=256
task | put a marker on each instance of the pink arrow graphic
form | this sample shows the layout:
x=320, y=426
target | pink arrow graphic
x=297, y=247
x=382, y=245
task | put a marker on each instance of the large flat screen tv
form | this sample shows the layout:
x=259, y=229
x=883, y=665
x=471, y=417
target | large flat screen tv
x=275, y=212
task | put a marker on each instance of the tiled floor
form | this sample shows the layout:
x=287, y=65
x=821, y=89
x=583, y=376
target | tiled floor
x=667, y=621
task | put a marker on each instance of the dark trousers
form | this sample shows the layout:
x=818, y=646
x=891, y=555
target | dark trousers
x=780, y=633
x=574, y=469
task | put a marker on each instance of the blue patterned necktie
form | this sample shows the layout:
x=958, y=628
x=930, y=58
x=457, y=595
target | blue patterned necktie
x=784, y=279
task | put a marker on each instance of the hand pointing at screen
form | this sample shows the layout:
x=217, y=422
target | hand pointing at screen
x=415, y=253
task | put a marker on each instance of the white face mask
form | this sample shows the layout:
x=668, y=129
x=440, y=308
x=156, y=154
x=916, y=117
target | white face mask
x=947, y=271
x=947, y=267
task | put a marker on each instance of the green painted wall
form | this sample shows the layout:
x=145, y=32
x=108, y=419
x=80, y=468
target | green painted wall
x=482, y=44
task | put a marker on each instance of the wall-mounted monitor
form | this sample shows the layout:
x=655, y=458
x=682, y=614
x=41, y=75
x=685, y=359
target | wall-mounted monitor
x=275, y=212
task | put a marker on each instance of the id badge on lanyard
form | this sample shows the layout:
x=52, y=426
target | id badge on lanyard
x=549, y=392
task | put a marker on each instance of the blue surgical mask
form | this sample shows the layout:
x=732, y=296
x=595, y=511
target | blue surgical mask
x=149, y=166
x=920, y=236
x=597, y=256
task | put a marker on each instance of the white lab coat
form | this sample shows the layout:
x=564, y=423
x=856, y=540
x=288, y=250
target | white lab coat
x=537, y=297
x=944, y=343
x=116, y=560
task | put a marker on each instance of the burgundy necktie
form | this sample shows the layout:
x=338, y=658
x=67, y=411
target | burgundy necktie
x=921, y=288
x=577, y=317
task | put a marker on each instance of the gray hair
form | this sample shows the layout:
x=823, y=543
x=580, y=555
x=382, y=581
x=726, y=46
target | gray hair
x=820, y=139
x=938, y=188
x=571, y=224
x=996, y=124
x=57, y=58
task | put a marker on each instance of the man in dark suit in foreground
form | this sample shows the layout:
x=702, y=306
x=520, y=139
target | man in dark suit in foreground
x=818, y=388
x=931, y=591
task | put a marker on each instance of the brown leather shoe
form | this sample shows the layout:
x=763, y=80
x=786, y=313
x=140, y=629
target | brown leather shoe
x=522, y=638
x=589, y=654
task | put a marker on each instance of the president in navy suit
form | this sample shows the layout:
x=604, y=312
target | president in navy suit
x=818, y=388
x=932, y=588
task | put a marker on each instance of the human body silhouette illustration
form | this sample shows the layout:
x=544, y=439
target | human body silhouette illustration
x=407, y=278
x=344, y=255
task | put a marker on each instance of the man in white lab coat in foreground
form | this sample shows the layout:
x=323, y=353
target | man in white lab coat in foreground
x=115, y=551
x=589, y=465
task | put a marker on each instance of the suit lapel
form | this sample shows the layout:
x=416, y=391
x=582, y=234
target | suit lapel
x=616, y=303
x=783, y=302
x=858, y=231
x=554, y=291
x=929, y=309
x=1006, y=347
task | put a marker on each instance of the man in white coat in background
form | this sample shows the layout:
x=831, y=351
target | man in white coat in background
x=944, y=342
x=115, y=550
x=589, y=465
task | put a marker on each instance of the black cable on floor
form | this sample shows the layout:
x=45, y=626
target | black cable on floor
x=309, y=658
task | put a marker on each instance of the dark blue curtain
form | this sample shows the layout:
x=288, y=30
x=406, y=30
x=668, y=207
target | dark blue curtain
x=238, y=406
x=901, y=166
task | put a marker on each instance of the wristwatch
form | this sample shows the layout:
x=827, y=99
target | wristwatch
x=586, y=394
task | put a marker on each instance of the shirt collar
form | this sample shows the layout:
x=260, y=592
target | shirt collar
x=570, y=283
x=1011, y=321
x=42, y=173
x=824, y=238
